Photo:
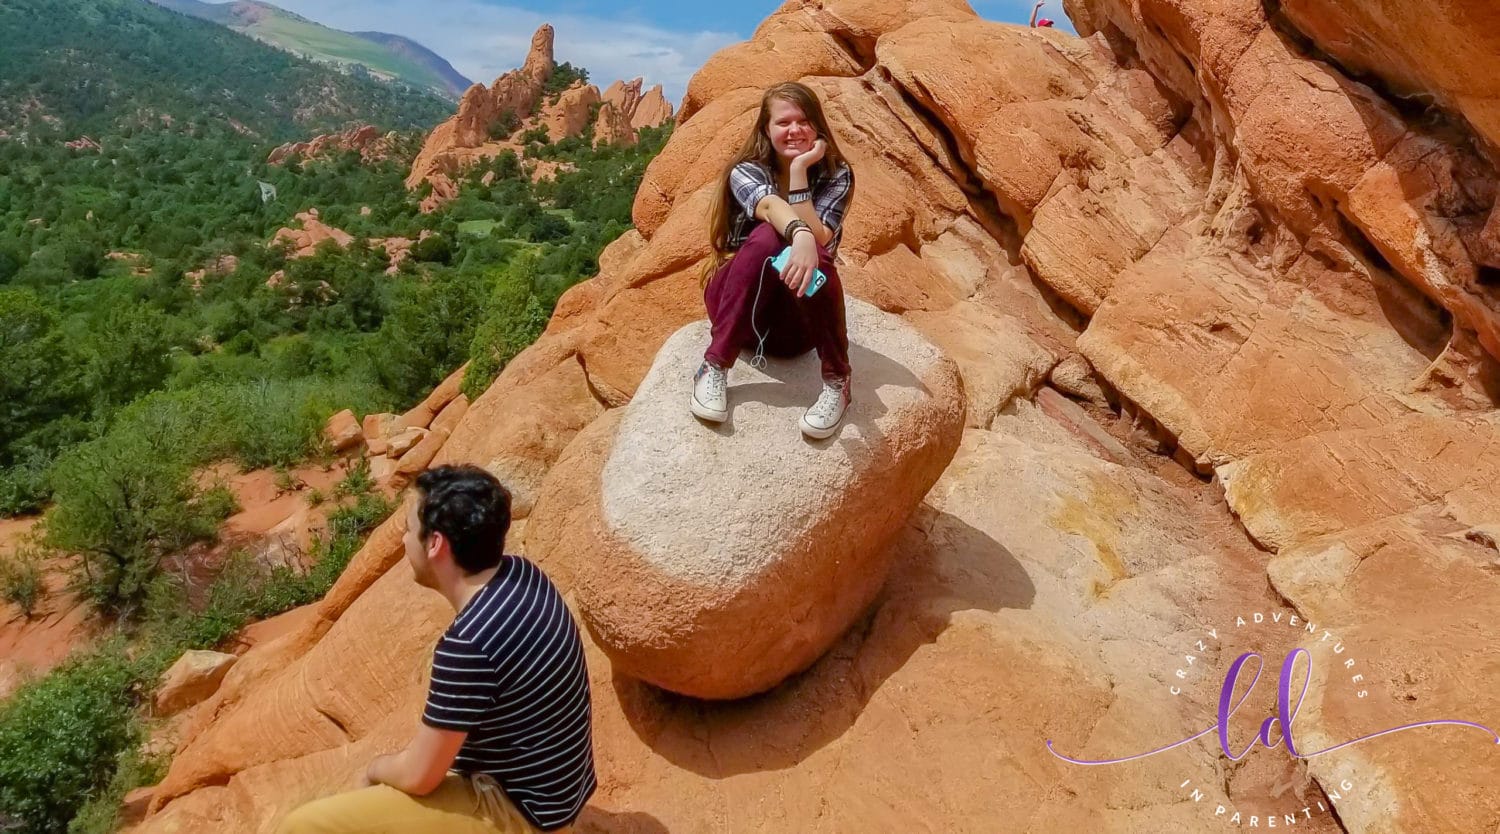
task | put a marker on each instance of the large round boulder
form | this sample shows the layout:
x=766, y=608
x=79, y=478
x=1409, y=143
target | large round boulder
x=716, y=561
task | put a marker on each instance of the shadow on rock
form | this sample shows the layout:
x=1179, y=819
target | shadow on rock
x=793, y=388
x=943, y=566
x=596, y=821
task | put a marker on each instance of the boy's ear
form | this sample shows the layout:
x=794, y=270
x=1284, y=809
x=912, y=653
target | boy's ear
x=435, y=544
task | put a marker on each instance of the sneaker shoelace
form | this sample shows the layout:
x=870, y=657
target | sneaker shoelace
x=829, y=402
x=717, y=380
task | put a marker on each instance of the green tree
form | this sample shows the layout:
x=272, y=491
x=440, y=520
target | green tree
x=123, y=503
x=10, y=262
x=36, y=379
x=435, y=248
x=513, y=319
x=128, y=352
x=563, y=76
x=428, y=331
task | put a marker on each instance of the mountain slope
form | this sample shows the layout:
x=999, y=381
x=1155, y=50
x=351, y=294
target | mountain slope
x=455, y=81
x=97, y=66
x=384, y=55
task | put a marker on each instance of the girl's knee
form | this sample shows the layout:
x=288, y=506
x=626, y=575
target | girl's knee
x=762, y=242
x=762, y=230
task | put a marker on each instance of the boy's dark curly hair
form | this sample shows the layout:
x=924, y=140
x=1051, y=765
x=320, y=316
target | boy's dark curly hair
x=470, y=508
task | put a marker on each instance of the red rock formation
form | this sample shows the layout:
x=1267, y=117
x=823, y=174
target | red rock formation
x=653, y=110
x=571, y=113
x=613, y=127
x=397, y=249
x=303, y=242
x=222, y=265
x=1443, y=53
x=83, y=143
x=366, y=139
x=649, y=109
x=465, y=137
x=625, y=96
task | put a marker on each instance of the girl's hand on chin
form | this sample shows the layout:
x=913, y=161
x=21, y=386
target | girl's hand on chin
x=809, y=158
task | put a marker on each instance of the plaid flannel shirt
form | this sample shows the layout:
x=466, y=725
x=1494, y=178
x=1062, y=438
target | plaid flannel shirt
x=751, y=182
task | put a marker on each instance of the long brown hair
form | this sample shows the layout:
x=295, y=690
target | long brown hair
x=757, y=148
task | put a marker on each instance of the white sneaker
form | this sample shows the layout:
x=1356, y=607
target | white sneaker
x=823, y=418
x=711, y=393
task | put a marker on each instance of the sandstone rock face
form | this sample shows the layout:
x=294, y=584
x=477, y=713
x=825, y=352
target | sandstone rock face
x=1445, y=52
x=397, y=249
x=220, y=266
x=653, y=110
x=1074, y=376
x=303, y=242
x=195, y=676
x=420, y=416
x=378, y=427
x=371, y=144
x=624, y=96
x=648, y=109
x=571, y=113
x=1282, y=278
x=402, y=442
x=343, y=431
x=613, y=127
x=748, y=525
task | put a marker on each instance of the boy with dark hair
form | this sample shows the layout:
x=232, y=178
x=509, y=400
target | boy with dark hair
x=508, y=709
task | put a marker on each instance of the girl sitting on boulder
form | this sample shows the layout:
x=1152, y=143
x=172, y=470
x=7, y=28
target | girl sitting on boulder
x=788, y=185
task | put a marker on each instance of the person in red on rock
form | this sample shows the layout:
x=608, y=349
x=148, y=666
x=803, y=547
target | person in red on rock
x=1043, y=22
x=788, y=185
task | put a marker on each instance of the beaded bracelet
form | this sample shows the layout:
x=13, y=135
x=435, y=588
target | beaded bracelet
x=791, y=228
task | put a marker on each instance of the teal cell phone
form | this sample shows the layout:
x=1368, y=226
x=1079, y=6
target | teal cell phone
x=819, y=279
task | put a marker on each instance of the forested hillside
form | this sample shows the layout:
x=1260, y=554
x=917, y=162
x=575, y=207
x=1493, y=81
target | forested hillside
x=96, y=237
x=384, y=54
x=86, y=67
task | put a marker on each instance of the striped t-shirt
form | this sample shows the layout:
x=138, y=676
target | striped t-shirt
x=510, y=672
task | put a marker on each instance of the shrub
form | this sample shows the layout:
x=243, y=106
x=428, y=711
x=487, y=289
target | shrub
x=434, y=248
x=563, y=76
x=21, y=580
x=258, y=423
x=100, y=815
x=61, y=738
x=245, y=591
x=536, y=136
x=357, y=481
x=428, y=332
x=227, y=607
x=505, y=125
x=23, y=488
x=123, y=503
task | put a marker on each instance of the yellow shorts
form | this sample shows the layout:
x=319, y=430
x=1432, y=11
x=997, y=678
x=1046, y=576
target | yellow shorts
x=452, y=808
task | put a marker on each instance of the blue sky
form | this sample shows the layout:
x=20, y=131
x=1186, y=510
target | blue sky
x=664, y=41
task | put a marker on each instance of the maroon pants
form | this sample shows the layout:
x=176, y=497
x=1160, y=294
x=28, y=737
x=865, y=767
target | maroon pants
x=791, y=325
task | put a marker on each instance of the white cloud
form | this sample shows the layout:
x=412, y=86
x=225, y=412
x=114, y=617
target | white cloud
x=483, y=41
